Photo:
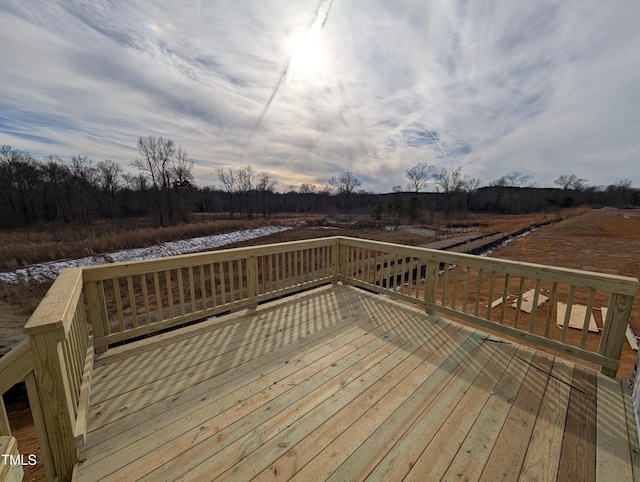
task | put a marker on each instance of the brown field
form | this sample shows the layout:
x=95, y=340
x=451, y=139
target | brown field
x=597, y=240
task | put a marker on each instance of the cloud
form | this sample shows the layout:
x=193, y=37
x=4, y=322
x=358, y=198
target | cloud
x=307, y=89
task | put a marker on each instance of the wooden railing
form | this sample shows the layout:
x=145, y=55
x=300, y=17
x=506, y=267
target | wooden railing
x=124, y=301
x=523, y=300
x=62, y=360
x=129, y=300
x=17, y=367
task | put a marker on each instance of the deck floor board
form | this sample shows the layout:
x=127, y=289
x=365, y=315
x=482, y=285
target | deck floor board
x=341, y=384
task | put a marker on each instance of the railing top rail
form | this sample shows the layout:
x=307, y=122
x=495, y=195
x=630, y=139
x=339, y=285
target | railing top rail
x=614, y=283
x=55, y=311
x=128, y=268
x=15, y=365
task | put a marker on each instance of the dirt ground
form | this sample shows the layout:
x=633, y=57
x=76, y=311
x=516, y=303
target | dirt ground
x=603, y=240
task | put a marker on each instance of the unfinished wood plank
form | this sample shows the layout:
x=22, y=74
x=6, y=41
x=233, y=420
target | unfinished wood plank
x=428, y=418
x=576, y=317
x=507, y=457
x=543, y=454
x=304, y=351
x=578, y=456
x=358, y=416
x=613, y=457
x=10, y=472
x=140, y=456
x=434, y=461
x=632, y=432
x=350, y=409
x=477, y=446
x=527, y=299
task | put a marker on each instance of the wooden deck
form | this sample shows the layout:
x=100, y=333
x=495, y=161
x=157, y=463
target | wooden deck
x=340, y=384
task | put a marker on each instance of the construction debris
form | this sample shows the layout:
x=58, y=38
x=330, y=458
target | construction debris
x=577, y=317
x=527, y=301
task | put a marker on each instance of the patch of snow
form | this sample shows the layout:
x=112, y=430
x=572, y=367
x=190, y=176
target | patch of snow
x=505, y=242
x=48, y=271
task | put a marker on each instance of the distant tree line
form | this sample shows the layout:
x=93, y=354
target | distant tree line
x=81, y=190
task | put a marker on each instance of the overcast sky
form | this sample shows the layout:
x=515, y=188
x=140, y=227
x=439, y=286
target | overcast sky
x=307, y=89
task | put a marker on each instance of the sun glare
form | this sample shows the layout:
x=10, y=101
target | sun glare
x=308, y=57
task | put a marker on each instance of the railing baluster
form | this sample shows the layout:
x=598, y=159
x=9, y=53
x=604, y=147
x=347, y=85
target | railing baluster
x=478, y=290
x=587, y=318
x=132, y=302
x=203, y=289
x=445, y=279
x=519, y=301
x=223, y=289
x=467, y=282
x=505, y=297
x=167, y=277
x=212, y=286
x=534, y=306
x=156, y=287
x=552, y=307
x=232, y=288
x=490, y=298
x=239, y=264
x=118, y=298
x=183, y=308
x=567, y=315
x=192, y=289
x=145, y=298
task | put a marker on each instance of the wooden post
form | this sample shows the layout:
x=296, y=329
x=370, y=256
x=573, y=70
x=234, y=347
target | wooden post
x=57, y=409
x=38, y=421
x=431, y=284
x=615, y=328
x=252, y=280
x=5, y=429
x=97, y=311
x=336, y=261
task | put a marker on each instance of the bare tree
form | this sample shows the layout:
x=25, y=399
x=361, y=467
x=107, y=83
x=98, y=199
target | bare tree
x=227, y=176
x=306, y=188
x=181, y=172
x=347, y=183
x=513, y=179
x=265, y=184
x=420, y=175
x=470, y=185
x=84, y=179
x=570, y=181
x=450, y=182
x=245, y=180
x=161, y=161
x=109, y=177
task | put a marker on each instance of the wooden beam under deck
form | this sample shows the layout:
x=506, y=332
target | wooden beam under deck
x=341, y=384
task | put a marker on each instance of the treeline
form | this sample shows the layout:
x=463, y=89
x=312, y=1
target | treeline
x=80, y=190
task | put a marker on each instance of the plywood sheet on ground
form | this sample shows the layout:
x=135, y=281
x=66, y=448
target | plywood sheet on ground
x=527, y=301
x=576, y=318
